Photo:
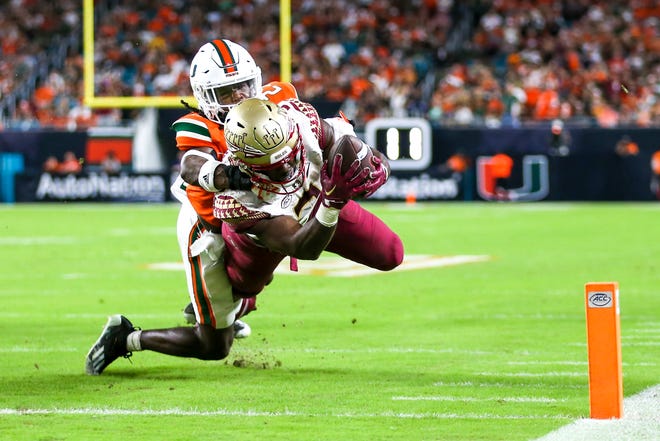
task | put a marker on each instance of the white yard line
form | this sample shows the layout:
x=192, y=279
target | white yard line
x=501, y=385
x=21, y=349
x=640, y=422
x=534, y=374
x=256, y=413
x=38, y=240
x=339, y=267
x=569, y=363
x=459, y=398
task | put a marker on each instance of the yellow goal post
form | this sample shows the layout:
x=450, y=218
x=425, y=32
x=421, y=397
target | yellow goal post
x=93, y=101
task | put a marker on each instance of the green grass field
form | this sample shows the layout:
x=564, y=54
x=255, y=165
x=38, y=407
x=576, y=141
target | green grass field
x=491, y=350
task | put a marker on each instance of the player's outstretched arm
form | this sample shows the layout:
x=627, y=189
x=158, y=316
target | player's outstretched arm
x=199, y=167
x=285, y=235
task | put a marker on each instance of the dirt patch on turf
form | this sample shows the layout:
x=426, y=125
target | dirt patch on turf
x=254, y=360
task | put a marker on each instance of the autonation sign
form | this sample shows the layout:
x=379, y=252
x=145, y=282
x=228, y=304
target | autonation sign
x=99, y=186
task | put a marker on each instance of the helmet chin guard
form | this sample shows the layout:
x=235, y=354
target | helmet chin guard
x=219, y=68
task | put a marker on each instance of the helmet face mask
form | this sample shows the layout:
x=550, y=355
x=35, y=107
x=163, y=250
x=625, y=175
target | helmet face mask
x=266, y=142
x=221, y=74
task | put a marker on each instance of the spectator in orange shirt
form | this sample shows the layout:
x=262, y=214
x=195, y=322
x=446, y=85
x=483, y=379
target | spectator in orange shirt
x=626, y=147
x=70, y=165
x=51, y=165
x=501, y=167
x=547, y=105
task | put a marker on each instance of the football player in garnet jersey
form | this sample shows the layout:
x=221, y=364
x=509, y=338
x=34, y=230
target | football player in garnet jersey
x=301, y=201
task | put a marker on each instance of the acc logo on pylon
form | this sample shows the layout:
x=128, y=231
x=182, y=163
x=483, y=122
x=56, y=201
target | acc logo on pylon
x=494, y=171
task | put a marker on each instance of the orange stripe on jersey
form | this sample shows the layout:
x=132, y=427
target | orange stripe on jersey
x=199, y=287
x=226, y=56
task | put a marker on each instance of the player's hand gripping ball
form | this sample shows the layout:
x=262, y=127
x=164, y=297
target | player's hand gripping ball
x=351, y=150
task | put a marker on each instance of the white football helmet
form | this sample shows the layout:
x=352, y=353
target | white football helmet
x=263, y=138
x=216, y=70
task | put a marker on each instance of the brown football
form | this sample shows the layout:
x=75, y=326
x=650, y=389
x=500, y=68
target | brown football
x=350, y=149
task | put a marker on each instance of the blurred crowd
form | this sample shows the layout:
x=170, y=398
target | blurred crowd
x=456, y=63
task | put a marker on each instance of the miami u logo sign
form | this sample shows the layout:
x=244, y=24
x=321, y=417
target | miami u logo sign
x=494, y=171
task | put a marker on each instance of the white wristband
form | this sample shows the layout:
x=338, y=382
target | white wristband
x=206, y=176
x=327, y=216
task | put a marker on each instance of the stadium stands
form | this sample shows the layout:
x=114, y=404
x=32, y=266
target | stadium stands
x=493, y=63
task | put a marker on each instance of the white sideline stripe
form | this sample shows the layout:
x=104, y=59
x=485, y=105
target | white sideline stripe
x=339, y=267
x=407, y=265
x=474, y=399
x=571, y=363
x=643, y=331
x=20, y=349
x=642, y=343
x=256, y=413
x=388, y=351
x=640, y=422
x=38, y=240
x=558, y=363
x=535, y=374
x=498, y=384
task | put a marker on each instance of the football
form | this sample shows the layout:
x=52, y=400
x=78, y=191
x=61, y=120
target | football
x=350, y=149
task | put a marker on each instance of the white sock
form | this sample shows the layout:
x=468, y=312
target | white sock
x=133, y=341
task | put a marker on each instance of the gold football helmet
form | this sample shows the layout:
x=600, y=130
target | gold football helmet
x=263, y=138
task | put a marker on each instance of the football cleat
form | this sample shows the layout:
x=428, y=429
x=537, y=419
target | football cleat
x=189, y=314
x=241, y=329
x=110, y=345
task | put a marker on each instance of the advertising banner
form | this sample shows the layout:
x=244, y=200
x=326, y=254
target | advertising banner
x=92, y=187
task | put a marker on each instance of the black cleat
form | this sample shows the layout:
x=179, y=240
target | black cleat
x=110, y=345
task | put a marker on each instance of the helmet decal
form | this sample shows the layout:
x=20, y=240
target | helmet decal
x=226, y=56
x=263, y=138
x=221, y=74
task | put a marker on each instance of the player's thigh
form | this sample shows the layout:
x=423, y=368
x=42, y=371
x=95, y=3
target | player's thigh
x=249, y=266
x=364, y=238
x=213, y=297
